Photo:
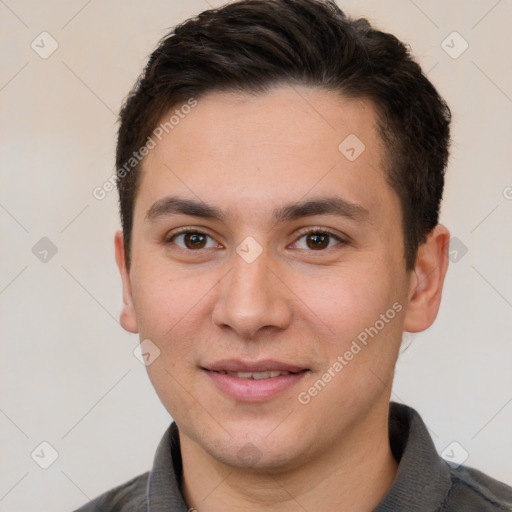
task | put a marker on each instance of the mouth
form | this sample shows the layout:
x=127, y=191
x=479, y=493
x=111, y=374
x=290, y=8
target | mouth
x=256, y=375
x=254, y=381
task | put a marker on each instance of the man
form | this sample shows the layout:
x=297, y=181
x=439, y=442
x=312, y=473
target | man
x=280, y=170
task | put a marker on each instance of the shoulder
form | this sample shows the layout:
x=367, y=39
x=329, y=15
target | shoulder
x=473, y=490
x=128, y=497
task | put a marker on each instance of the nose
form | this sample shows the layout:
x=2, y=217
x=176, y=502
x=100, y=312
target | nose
x=252, y=298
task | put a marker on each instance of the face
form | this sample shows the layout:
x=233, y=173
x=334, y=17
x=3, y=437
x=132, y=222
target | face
x=268, y=269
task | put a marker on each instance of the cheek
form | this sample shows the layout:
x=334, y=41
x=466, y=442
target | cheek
x=171, y=307
x=167, y=309
x=363, y=312
x=349, y=300
x=165, y=301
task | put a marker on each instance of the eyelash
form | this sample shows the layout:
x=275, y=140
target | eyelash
x=302, y=233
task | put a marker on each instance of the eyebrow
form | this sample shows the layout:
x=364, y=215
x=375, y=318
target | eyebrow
x=331, y=205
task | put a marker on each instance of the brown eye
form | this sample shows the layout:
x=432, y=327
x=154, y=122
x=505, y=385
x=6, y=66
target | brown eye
x=193, y=240
x=318, y=240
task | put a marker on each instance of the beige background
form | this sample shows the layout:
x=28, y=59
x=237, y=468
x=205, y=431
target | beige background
x=68, y=373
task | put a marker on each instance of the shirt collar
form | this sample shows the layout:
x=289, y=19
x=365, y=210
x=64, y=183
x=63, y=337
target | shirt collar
x=423, y=479
x=421, y=472
x=164, y=488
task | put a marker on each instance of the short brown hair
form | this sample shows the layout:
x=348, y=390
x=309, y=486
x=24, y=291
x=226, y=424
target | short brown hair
x=253, y=45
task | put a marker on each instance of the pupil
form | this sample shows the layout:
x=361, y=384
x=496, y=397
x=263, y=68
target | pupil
x=318, y=241
x=195, y=239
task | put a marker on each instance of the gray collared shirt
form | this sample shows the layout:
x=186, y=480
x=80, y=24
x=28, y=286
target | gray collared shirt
x=424, y=482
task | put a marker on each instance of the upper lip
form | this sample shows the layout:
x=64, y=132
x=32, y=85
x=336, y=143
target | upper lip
x=267, y=365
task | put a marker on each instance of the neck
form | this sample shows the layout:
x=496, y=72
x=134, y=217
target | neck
x=352, y=476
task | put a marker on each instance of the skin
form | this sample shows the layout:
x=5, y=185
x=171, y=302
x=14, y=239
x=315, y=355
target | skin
x=248, y=155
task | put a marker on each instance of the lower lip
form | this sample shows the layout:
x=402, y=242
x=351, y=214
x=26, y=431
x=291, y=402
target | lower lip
x=254, y=390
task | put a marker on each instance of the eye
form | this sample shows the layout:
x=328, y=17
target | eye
x=192, y=240
x=315, y=239
x=318, y=240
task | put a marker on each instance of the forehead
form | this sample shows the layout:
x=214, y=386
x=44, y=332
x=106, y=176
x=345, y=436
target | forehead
x=243, y=151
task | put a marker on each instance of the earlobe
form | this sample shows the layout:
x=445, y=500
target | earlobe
x=128, y=317
x=427, y=281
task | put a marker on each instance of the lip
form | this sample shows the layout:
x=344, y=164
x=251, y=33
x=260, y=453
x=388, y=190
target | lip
x=252, y=390
x=266, y=365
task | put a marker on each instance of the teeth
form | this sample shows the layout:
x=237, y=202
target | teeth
x=256, y=375
x=259, y=375
x=243, y=375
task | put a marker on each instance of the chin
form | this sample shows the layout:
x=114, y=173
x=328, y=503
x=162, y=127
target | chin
x=255, y=451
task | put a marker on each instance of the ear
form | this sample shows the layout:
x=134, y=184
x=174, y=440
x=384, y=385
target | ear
x=426, y=284
x=128, y=316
